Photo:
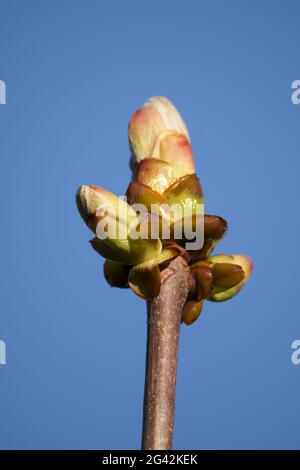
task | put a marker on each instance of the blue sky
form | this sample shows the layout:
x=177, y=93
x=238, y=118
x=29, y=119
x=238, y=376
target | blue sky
x=74, y=73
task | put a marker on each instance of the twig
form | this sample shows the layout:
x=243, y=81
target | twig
x=163, y=329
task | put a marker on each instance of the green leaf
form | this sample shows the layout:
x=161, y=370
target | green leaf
x=225, y=277
x=144, y=279
x=191, y=312
x=116, y=274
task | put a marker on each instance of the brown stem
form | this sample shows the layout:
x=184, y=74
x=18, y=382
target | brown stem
x=163, y=329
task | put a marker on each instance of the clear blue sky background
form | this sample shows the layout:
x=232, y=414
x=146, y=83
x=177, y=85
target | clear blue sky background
x=75, y=71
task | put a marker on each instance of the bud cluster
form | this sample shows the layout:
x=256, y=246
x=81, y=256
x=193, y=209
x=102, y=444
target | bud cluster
x=161, y=217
